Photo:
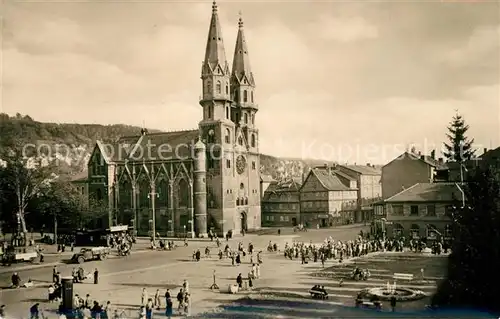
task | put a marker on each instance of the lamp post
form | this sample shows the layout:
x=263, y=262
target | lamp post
x=383, y=220
x=153, y=195
x=191, y=228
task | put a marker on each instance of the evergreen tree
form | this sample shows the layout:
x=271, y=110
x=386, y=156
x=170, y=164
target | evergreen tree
x=475, y=259
x=459, y=148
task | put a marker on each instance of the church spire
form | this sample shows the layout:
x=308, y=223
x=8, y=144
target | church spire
x=241, y=62
x=215, y=55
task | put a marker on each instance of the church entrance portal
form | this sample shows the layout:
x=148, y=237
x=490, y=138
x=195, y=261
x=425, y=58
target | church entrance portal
x=244, y=225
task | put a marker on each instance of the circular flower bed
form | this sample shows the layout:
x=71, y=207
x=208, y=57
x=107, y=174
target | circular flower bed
x=400, y=293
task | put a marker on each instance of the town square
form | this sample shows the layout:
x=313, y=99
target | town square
x=336, y=164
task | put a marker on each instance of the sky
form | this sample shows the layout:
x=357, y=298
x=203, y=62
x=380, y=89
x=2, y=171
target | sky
x=351, y=81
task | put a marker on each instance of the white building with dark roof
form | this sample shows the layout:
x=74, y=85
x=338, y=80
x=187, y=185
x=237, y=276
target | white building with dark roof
x=422, y=210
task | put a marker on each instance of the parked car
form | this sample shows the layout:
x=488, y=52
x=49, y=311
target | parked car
x=89, y=254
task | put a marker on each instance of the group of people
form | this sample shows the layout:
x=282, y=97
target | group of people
x=149, y=304
x=122, y=241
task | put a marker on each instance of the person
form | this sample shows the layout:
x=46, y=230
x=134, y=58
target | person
x=239, y=281
x=16, y=280
x=180, y=299
x=54, y=274
x=2, y=312
x=149, y=309
x=185, y=285
x=187, y=305
x=34, y=311
x=96, y=310
x=142, y=312
x=169, y=308
x=144, y=296
x=393, y=303
x=51, y=293
x=157, y=301
x=167, y=295
x=96, y=276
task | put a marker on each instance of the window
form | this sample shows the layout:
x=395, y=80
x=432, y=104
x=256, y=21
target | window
x=431, y=210
x=236, y=96
x=227, y=112
x=448, y=233
x=252, y=141
x=282, y=218
x=228, y=163
x=251, y=95
x=227, y=136
x=252, y=117
x=209, y=87
x=242, y=186
x=240, y=140
x=397, y=210
x=245, y=96
x=253, y=165
x=246, y=201
x=227, y=88
x=218, y=87
x=414, y=210
x=183, y=193
x=210, y=111
x=287, y=219
x=245, y=116
x=98, y=194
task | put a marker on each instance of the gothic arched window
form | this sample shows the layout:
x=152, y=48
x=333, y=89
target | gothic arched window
x=252, y=117
x=183, y=193
x=227, y=136
x=251, y=96
x=144, y=191
x=227, y=112
x=162, y=190
x=252, y=140
x=125, y=194
x=218, y=87
x=245, y=116
x=227, y=88
x=245, y=96
x=240, y=140
x=209, y=87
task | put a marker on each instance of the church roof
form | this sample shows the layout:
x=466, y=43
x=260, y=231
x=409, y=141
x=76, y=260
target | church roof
x=215, y=54
x=163, y=146
x=241, y=61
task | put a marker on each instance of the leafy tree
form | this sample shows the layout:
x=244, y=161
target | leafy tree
x=475, y=259
x=459, y=148
x=24, y=178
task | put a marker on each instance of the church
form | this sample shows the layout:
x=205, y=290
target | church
x=190, y=182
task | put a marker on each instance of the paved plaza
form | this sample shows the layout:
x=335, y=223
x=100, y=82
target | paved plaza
x=283, y=282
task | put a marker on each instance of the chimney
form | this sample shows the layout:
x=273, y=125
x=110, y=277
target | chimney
x=144, y=131
x=422, y=157
x=440, y=160
x=368, y=164
x=419, y=153
x=485, y=150
x=433, y=154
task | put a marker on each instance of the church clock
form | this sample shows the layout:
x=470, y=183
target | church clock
x=241, y=164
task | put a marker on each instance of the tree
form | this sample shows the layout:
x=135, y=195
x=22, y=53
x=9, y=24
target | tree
x=24, y=177
x=475, y=259
x=459, y=148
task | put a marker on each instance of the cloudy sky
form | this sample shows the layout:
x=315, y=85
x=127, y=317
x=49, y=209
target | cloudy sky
x=351, y=81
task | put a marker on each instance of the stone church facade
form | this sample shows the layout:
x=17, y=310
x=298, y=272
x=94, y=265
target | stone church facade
x=196, y=180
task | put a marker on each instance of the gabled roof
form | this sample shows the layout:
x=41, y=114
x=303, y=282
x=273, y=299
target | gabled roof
x=428, y=192
x=163, y=146
x=344, y=175
x=423, y=158
x=327, y=179
x=266, y=178
x=364, y=169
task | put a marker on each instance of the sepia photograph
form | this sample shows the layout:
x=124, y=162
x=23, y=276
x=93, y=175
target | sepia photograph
x=249, y=159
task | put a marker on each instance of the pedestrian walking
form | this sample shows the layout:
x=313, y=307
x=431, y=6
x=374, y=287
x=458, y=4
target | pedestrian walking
x=96, y=276
x=144, y=297
x=157, y=301
x=169, y=308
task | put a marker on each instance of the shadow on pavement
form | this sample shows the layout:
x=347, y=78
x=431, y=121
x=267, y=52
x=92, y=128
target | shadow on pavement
x=142, y=285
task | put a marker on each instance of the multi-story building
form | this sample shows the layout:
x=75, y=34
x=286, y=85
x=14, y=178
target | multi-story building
x=422, y=211
x=324, y=198
x=281, y=204
x=369, y=185
x=195, y=180
x=407, y=170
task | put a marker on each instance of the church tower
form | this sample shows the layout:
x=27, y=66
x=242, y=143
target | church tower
x=227, y=129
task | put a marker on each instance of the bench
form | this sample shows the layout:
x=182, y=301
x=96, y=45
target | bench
x=317, y=294
x=402, y=276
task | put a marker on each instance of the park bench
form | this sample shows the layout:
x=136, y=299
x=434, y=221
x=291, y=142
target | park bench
x=318, y=294
x=403, y=276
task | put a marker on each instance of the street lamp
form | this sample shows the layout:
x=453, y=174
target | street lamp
x=191, y=228
x=153, y=195
x=383, y=220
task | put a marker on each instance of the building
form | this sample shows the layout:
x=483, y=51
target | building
x=80, y=182
x=407, y=170
x=369, y=186
x=281, y=204
x=265, y=182
x=324, y=198
x=422, y=211
x=196, y=180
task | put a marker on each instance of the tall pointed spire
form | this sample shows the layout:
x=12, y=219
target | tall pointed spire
x=241, y=60
x=215, y=54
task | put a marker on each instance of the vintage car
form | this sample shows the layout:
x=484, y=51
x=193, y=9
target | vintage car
x=19, y=255
x=89, y=254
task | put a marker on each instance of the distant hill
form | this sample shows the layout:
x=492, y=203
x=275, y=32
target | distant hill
x=72, y=144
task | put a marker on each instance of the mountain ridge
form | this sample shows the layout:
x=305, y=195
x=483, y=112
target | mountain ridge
x=72, y=143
